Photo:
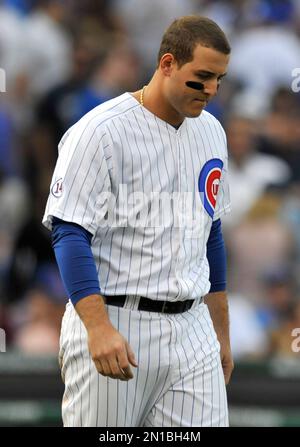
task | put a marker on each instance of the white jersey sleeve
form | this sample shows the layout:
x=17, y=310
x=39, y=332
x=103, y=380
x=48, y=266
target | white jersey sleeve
x=80, y=176
x=223, y=196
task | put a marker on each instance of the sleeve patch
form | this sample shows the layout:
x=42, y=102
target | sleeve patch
x=57, y=188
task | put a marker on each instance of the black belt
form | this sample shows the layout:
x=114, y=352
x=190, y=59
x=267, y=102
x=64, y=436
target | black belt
x=166, y=307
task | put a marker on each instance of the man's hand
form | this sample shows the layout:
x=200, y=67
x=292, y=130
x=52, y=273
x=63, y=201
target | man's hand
x=111, y=353
x=109, y=350
x=227, y=362
x=218, y=308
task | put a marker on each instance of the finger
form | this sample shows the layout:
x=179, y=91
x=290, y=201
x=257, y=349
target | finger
x=104, y=373
x=105, y=368
x=124, y=365
x=127, y=372
x=229, y=376
x=117, y=372
x=131, y=356
x=99, y=366
x=227, y=373
x=226, y=379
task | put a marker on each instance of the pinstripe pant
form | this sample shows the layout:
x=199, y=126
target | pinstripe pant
x=179, y=381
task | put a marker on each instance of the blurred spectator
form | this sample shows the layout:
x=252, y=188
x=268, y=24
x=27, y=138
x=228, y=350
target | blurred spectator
x=229, y=14
x=290, y=215
x=31, y=249
x=11, y=43
x=13, y=210
x=264, y=56
x=278, y=298
x=8, y=161
x=39, y=326
x=251, y=172
x=280, y=130
x=248, y=337
x=100, y=12
x=22, y=6
x=39, y=335
x=281, y=337
x=47, y=47
x=280, y=313
x=104, y=66
x=35, y=52
x=14, y=204
x=261, y=241
x=118, y=72
x=145, y=21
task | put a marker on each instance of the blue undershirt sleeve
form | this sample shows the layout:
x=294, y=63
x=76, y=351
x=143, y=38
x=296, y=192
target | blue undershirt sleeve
x=216, y=255
x=72, y=248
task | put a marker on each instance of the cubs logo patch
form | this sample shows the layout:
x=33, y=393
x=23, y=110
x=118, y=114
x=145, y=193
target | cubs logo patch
x=208, y=184
x=57, y=188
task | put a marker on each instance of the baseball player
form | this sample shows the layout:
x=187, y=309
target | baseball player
x=145, y=337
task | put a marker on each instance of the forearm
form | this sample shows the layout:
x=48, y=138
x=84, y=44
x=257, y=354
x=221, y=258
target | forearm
x=92, y=312
x=218, y=308
x=72, y=247
x=109, y=350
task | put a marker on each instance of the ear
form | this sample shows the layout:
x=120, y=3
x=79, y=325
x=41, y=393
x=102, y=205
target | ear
x=167, y=63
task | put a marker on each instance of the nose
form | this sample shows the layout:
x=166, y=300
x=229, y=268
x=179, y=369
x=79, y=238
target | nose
x=211, y=87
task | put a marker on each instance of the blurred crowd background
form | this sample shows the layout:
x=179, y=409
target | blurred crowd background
x=62, y=58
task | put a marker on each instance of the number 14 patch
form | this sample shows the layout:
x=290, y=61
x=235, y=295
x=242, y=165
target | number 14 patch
x=57, y=188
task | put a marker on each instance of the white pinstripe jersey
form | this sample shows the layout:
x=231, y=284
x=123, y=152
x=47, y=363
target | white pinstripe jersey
x=122, y=143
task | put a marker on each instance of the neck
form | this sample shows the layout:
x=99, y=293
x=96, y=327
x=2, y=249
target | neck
x=157, y=103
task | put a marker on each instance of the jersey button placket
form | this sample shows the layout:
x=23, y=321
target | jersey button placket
x=182, y=185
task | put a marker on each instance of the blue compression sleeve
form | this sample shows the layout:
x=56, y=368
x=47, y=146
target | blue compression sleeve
x=216, y=256
x=72, y=247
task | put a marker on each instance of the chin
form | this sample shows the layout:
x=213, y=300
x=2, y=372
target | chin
x=194, y=114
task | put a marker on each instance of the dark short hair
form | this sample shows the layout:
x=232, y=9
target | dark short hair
x=182, y=36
